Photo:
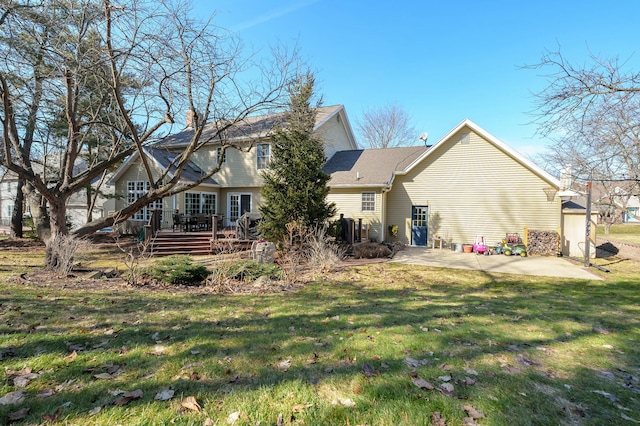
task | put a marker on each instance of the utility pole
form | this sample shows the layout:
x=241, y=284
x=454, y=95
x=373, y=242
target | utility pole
x=587, y=234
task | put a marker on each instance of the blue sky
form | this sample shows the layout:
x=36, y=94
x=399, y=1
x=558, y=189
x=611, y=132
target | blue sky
x=442, y=61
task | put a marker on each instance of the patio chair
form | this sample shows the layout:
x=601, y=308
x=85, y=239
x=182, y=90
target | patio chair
x=203, y=222
x=178, y=222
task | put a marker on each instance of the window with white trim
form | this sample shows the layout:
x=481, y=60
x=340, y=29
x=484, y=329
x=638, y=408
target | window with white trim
x=199, y=203
x=368, y=201
x=263, y=155
x=137, y=189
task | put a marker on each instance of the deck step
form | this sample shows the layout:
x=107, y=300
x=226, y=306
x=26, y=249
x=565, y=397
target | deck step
x=167, y=243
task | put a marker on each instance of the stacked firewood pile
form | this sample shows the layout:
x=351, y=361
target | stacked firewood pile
x=544, y=243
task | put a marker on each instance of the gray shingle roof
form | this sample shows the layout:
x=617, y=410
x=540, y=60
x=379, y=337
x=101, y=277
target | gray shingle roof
x=370, y=167
x=191, y=172
x=250, y=128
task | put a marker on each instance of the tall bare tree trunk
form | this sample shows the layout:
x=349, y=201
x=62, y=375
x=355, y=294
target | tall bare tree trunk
x=38, y=208
x=90, y=204
x=18, y=213
x=58, y=227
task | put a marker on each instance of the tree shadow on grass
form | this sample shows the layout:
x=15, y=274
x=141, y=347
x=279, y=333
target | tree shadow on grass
x=212, y=346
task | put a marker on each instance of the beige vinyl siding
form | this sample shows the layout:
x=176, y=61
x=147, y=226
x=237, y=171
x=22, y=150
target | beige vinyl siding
x=472, y=188
x=238, y=171
x=349, y=203
x=334, y=136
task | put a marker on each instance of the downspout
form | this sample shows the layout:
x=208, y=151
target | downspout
x=383, y=217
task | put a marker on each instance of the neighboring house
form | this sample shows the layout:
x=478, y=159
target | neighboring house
x=632, y=215
x=8, y=188
x=617, y=202
x=467, y=184
x=628, y=202
x=77, y=204
x=235, y=189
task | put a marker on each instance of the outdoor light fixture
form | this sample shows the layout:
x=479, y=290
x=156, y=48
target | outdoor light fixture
x=550, y=193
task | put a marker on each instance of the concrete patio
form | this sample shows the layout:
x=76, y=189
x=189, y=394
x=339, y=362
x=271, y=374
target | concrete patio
x=530, y=265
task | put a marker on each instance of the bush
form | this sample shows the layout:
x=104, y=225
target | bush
x=323, y=255
x=252, y=270
x=178, y=270
x=371, y=251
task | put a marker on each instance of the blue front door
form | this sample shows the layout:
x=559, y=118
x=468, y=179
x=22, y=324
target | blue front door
x=419, y=227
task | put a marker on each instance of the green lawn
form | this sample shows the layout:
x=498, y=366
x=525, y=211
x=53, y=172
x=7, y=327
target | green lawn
x=362, y=347
x=628, y=232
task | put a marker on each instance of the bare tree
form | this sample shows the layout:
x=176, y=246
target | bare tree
x=387, y=127
x=592, y=115
x=122, y=72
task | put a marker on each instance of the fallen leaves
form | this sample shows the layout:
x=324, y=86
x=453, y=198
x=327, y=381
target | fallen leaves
x=127, y=397
x=105, y=371
x=346, y=402
x=422, y=384
x=414, y=363
x=437, y=420
x=190, y=403
x=10, y=398
x=446, y=389
x=473, y=412
x=21, y=378
x=164, y=395
x=284, y=365
x=52, y=418
x=45, y=393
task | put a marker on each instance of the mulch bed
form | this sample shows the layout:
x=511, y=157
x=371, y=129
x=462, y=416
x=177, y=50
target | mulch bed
x=20, y=244
x=84, y=280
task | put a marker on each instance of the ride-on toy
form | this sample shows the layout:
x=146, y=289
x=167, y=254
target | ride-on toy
x=479, y=245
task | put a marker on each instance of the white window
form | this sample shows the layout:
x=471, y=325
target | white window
x=137, y=189
x=234, y=207
x=199, y=203
x=368, y=201
x=218, y=153
x=263, y=155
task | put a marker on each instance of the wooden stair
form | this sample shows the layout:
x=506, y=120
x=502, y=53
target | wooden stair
x=167, y=243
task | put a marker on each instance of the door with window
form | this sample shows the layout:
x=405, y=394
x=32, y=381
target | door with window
x=419, y=227
x=239, y=204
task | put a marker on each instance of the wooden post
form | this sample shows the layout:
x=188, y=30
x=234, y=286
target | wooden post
x=214, y=226
x=587, y=234
x=147, y=233
x=360, y=230
x=246, y=227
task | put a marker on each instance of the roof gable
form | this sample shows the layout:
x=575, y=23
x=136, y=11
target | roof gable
x=550, y=179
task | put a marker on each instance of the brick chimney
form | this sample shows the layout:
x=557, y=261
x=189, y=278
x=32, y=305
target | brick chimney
x=191, y=118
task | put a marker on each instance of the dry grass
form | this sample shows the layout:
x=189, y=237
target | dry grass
x=334, y=351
